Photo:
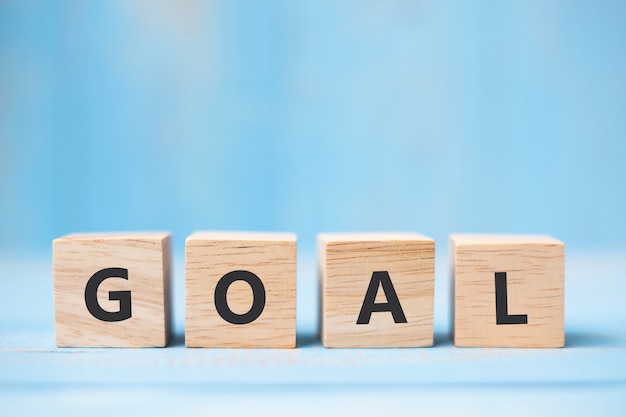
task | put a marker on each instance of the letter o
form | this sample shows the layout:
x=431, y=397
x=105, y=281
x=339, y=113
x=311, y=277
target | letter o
x=258, y=297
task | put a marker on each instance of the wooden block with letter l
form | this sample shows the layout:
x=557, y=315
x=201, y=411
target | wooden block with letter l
x=377, y=289
x=240, y=290
x=112, y=289
x=507, y=290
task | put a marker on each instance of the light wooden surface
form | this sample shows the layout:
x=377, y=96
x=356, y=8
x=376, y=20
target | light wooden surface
x=272, y=258
x=347, y=262
x=534, y=266
x=146, y=256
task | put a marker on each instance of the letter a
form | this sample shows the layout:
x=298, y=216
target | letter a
x=392, y=305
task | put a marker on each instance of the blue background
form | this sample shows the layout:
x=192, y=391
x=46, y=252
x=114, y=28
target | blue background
x=313, y=116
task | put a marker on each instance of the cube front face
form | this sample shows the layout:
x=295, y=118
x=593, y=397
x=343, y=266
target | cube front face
x=355, y=265
x=112, y=290
x=252, y=277
x=524, y=275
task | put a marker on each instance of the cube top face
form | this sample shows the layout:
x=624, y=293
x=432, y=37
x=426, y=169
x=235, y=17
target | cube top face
x=355, y=237
x=96, y=262
x=269, y=259
x=142, y=237
x=242, y=236
x=470, y=239
x=522, y=273
x=350, y=263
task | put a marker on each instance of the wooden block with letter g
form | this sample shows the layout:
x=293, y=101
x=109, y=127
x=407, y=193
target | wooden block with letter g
x=507, y=290
x=112, y=289
x=240, y=290
x=377, y=289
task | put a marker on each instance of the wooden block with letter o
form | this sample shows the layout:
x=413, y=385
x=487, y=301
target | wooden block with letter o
x=240, y=290
x=377, y=289
x=507, y=290
x=112, y=289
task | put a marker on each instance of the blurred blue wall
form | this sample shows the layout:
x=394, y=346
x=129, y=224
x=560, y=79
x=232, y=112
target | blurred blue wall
x=313, y=116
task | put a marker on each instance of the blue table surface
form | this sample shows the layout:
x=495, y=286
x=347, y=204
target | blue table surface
x=587, y=377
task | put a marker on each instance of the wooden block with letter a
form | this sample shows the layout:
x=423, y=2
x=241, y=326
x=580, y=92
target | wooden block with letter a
x=507, y=290
x=377, y=289
x=240, y=290
x=112, y=289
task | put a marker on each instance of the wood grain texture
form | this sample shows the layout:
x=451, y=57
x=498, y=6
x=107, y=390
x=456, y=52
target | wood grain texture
x=535, y=285
x=146, y=256
x=346, y=264
x=271, y=257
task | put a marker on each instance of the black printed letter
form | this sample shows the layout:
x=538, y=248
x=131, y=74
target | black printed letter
x=258, y=297
x=502, y=306
x=392, y=305
x=91, y=296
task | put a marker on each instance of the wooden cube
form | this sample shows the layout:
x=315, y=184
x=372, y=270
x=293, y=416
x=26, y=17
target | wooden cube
x=240, y=290
x=112, y=289
x=377, y=289
x=508, y=290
